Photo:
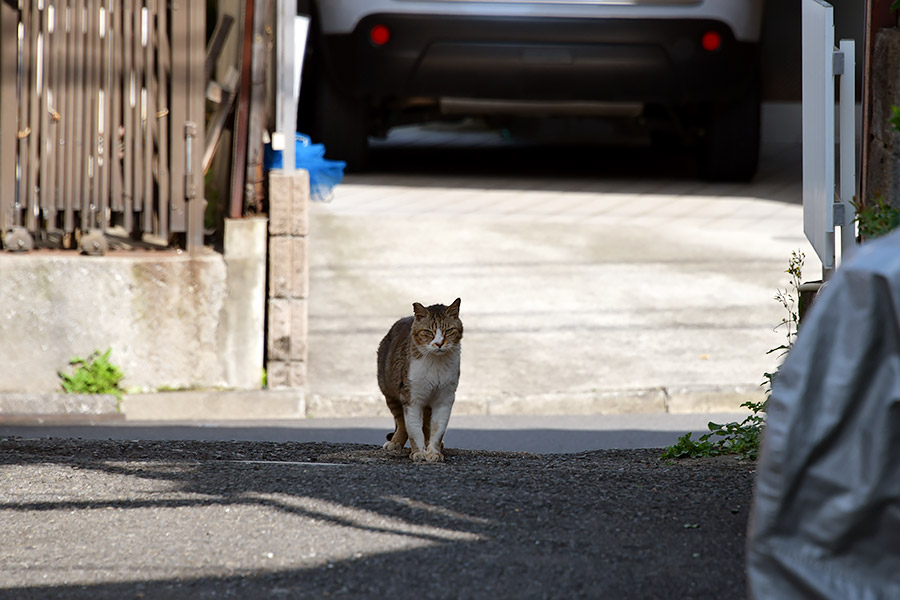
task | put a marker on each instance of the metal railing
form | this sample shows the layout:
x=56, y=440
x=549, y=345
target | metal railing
x=101, y=120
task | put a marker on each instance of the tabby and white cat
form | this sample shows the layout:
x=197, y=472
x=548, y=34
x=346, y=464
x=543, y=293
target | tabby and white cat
x=418, y=372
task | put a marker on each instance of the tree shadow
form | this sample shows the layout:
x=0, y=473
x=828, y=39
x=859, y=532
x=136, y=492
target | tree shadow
x=483, y=524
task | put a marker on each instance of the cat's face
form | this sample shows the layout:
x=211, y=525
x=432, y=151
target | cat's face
x=437, y=329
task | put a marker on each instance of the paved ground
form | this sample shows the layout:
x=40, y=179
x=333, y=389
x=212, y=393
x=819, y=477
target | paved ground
x=109, y=519
x=580, y=271
x=545, y=434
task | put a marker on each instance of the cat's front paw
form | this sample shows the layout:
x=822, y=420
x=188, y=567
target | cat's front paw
x=418, y=456
x=434, y=456
x=392, y=446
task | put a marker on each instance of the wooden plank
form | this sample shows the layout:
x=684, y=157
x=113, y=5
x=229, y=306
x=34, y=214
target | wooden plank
x=163, y=71
x=217, y=123
x=214, y=49
x=9, y=24
x=258, y=115
x=242, y=115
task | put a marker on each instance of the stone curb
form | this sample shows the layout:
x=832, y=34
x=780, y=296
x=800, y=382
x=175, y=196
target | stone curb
x=219, y=405
x=51, y=408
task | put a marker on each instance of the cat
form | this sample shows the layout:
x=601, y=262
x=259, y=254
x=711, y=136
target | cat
x=418, y=373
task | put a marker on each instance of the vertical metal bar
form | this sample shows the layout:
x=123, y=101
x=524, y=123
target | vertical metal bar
x=197, y=116
x=116, y=129
x=848, y=147
x=71, y=118
x=34, y=119
x=178, y=115
x=150, y=123
x=163, y=70
x=48, y=124
x=285, y=108
x=139, y=111
x=60, y=37
x=9, y=53
x=89, y=117
x=105, y=146
x=96, y=111
x=23, y=133
x=80, y=164
x=128, y=97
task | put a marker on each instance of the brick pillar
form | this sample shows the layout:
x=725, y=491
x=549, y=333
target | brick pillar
x=288, y=311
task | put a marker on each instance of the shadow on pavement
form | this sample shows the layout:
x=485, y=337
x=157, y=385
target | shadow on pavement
x=538, y=441
x=619, y=524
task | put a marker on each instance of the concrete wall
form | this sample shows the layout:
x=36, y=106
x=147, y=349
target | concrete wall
x=172, y=319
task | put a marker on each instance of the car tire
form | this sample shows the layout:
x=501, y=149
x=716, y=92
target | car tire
x=729, y=144
x=341, y=124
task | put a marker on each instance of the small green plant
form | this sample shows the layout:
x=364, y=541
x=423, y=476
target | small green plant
x=93, y=375
x=742, y=439
x=876, y=218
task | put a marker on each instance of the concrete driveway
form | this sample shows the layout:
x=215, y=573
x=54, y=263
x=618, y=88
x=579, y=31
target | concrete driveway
x=607, y=280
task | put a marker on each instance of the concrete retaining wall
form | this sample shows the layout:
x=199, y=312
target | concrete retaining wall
x=172, y=319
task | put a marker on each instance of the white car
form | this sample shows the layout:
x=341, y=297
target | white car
x=690, y=66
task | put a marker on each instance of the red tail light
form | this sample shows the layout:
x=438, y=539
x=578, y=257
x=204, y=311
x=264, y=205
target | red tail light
x=380, y=35
x=711, y=41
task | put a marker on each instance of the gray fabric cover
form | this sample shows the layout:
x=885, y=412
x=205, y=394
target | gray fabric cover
x=826, y=516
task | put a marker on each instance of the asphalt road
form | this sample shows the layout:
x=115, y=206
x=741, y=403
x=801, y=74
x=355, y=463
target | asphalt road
x=112, y=519
x=544, y=434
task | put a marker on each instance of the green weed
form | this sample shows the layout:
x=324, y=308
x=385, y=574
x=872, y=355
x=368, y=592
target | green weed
x=742, y=439
x=93, y=375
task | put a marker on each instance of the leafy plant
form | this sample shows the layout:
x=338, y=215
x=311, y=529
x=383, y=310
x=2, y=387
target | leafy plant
x=742, y=439
x=876, y=218
x=93, y=375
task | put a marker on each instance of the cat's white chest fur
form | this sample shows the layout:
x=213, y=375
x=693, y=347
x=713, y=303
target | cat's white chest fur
x=434, y=377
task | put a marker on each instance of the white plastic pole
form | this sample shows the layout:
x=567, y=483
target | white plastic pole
x=848, y=147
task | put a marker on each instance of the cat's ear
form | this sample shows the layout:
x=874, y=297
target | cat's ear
x=453, y=309
x=419, y=311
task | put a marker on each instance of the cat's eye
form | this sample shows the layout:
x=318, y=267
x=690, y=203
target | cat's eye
x=428, y=332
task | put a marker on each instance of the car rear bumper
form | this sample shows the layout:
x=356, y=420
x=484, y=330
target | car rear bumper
x=602, y=60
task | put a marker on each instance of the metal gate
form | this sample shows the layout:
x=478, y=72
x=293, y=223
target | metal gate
x=101, y=120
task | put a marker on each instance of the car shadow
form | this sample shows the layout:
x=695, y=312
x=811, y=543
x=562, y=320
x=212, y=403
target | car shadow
x=470, y=158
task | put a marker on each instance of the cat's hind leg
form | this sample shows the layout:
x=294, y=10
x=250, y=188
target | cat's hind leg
x=397, y=439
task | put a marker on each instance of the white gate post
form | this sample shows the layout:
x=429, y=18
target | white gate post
x=824, y=206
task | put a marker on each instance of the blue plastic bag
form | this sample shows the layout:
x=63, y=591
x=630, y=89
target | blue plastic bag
x=324, y=173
